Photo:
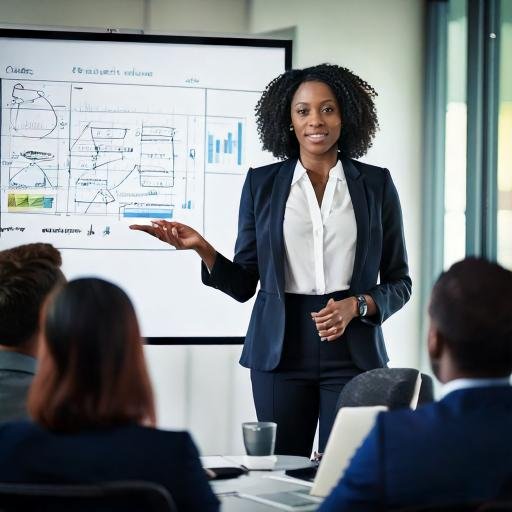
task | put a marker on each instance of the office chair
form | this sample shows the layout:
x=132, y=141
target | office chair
x=122, y=496
x=392, y=387
x=426, y=389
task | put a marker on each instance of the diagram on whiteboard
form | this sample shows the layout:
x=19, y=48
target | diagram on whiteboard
x=87, y=157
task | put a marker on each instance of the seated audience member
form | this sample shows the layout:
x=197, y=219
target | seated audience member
x=27, y=274
x=458, y=450
x=92, y=404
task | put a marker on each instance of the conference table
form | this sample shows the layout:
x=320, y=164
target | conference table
x=267, y=478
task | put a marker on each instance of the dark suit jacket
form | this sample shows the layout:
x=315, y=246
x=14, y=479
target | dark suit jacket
x=16, y=374
x=259, y=256
x=28, y=453
x=458, y=450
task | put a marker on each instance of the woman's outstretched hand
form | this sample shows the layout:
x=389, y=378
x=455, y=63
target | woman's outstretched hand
x=180, y=236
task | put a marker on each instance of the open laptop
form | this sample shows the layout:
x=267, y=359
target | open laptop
x=351, y=426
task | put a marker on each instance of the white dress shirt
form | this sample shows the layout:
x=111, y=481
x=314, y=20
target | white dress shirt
x=320, y=242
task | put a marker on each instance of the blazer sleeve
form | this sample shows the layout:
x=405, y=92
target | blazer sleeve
x=361, y=489
x=190, y=489
x=238, y=278
x=394, y=288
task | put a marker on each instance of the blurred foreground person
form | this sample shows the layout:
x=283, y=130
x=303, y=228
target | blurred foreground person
x=458, y=450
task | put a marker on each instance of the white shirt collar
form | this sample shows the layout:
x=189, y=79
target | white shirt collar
x=300, y=171
x=456, y=384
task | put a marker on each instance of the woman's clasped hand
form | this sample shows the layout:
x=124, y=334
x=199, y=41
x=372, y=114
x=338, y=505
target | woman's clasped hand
x=332, y=320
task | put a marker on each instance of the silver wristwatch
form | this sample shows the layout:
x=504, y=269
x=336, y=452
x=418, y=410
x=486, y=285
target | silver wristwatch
x=362, y=305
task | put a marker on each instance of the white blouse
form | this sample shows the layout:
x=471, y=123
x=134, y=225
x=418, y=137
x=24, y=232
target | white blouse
x=320, y=242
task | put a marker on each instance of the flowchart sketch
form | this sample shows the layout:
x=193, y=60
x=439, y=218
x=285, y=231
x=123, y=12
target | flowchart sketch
x=25, y=101
x=91, y=158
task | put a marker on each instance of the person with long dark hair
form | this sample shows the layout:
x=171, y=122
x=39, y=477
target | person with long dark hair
x=322, y=234
x=92, y=405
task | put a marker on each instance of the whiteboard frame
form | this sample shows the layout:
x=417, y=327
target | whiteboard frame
x=113, y=36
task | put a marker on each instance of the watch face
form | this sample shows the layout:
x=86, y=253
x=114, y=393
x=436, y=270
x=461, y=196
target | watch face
x=362, y=305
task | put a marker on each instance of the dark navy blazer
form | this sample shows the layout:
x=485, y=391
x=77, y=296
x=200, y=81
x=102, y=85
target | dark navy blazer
x=458, y=450
x=259, y=256
x=29, y=453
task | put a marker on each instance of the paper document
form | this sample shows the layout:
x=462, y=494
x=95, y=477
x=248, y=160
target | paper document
x=216, y=461
x=246, y=461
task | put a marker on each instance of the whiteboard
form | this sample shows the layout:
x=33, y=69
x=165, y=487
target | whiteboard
x=100, y=131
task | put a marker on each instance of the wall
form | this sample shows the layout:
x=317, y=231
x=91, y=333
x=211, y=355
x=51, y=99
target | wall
x=203, y=388
x=222, y=17
x=74, y=13
x=217, y=16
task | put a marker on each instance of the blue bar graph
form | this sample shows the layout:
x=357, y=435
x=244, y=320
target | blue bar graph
x=217, y=151
x=148, y=214
x=225, y=142
x=210, y=148
x=239, y=147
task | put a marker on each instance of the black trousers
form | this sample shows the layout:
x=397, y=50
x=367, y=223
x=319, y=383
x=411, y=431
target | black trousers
x=303, y=390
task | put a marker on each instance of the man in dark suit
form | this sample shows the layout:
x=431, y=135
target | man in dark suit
x=27, y=274
x=458, y=450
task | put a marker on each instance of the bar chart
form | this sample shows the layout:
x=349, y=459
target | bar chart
x=225, y=144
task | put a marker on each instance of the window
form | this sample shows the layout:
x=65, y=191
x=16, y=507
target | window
x=504, y=213
x=455, y=135
x=468, y=136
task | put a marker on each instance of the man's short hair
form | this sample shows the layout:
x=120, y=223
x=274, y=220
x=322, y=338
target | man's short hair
x=27, y=274
x=471, y=306
x=36, y=251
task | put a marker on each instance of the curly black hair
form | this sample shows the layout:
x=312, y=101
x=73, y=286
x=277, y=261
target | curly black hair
x=354, y=97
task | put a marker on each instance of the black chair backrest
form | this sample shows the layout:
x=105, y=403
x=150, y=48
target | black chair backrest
x=426, y=389
x=122, y=496
x=392, y=387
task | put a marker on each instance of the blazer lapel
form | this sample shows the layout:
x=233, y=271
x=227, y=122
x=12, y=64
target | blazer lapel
x=280, y=192
x=356, y=188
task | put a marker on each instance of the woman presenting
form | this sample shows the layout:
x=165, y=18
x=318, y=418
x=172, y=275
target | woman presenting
x=317, y=231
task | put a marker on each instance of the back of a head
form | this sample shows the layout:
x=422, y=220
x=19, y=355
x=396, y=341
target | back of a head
x=471, y=307
x=92, y=355
x=35, y=251
x=28, y=273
